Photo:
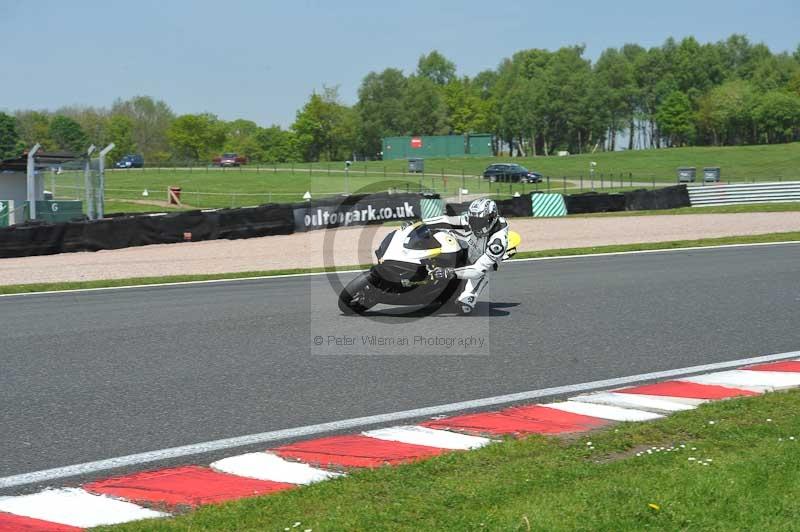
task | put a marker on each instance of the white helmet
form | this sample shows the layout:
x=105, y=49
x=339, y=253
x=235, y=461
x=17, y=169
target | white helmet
x=482, y=216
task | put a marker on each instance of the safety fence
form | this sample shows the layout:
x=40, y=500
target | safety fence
x=746, y=193
x=37, y=238
x=548, y=205
x=116, y=232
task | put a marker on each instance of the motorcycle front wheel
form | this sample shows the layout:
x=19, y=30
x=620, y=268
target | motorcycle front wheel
x=353, y=299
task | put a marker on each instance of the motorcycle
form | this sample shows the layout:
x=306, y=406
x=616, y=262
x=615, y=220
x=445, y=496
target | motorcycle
x=406, y=257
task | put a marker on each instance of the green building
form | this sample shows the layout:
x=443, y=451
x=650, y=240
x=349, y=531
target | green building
x=474, y=145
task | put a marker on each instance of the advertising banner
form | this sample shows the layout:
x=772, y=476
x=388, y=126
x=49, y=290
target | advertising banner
x=356, y=210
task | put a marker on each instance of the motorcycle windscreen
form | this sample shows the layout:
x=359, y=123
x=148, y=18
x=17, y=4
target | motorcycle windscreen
x=381, y=251
x=421, y=238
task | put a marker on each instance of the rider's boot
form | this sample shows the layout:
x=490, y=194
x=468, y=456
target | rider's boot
x=469, y=297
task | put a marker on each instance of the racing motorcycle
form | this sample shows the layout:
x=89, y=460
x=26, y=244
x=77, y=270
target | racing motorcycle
x=406, y=256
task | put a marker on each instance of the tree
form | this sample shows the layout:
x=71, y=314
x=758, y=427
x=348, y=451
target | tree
x=466, y=111
x=616, y=73
x=196, y=137
x=277, y=145
x=151, y=120
x=68, y=135
x=517, y=116
x=794, y=84
x=240, y=138
x=436, y=68
x=676, y=119
x=777, y=116
x=726, y=113
x=424, y=110
x=775, y=72
x=93, y=122
x=325, y=128
x=379, y=109
x=10, y=145
x=120, y=132
x=565, y=101
x=34, y=127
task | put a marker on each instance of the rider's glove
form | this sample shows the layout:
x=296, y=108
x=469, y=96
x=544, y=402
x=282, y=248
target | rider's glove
x=442, y=274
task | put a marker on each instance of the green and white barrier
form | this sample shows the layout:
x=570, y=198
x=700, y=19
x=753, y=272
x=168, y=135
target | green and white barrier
x=548, y=205
x=431, y=208
x=6, y=213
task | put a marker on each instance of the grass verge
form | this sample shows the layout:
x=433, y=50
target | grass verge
x=751, y=453
x=142, y=281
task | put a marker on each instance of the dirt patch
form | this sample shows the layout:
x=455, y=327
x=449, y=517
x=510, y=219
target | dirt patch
x=356, y=246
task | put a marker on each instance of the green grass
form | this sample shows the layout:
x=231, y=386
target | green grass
x=739, y=163
x=256, y=184
x=141, y=281
x=547, y=483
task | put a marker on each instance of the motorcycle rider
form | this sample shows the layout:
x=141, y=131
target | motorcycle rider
x=484, y=233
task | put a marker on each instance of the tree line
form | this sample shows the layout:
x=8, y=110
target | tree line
x=731, y=92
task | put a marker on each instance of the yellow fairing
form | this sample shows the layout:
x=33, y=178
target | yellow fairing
x=514, y=239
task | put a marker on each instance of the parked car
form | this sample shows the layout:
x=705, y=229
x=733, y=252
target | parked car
x=130, y=161
x=230, y=159
x=511, y=172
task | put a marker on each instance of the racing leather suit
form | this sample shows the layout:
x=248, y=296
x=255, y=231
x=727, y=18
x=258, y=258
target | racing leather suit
x=484, y=253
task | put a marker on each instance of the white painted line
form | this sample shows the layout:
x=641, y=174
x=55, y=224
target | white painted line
x=356, y=270
x=266, y=466
x=690, y=401
x=346, y=424
x=180, y=283
x=768, y=380
x=613, y=413
x=417, y=435
x=629, y=400
x=76, y=507
x=669, y=250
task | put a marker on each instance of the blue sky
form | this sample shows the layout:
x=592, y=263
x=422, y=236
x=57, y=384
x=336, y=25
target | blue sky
x=261, y=60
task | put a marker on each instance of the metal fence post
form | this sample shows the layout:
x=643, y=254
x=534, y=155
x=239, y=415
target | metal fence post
x=87, y=174
x=101, y=200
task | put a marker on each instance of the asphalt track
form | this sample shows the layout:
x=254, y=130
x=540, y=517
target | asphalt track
x=92, y=375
